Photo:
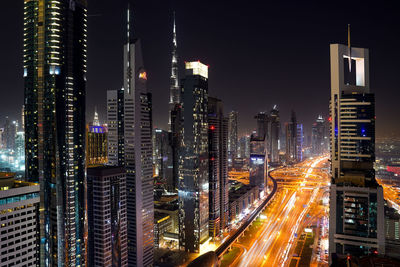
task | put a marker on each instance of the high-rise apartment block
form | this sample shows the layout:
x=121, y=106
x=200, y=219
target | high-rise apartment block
x=107, y=221
x=54, y=70
x=356, y=221
x=218, y=167
x=19, y=222
x=193, y=160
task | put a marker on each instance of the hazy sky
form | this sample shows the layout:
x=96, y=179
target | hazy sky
x=260, y=53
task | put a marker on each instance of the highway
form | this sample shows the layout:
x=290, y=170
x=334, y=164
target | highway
x=231, y=239
x=293, y=208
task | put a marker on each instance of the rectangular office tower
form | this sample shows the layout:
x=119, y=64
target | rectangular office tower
x=138, y=157
x=107, y=222
x=258, y=162
x=193, y=160
x=19, y=222
x=356, y=223
x=274, y=136
x=218, y=168
x=130, y=146
x=55, y=37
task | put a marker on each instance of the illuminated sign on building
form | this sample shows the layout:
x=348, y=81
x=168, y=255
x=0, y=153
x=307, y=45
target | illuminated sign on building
x=257, y=160
x=97, y=129
x=143, y=75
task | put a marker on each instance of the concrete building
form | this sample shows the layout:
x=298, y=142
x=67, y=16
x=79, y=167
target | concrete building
x=19, y=222
x=356, y=220
x=193, y=160
x=107, y=221
x=241, y=197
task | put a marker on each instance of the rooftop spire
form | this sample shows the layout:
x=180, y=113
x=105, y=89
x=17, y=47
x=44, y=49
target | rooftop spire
x=174, y=97
x=349, y=45
x=129, y=27
x=96, y=121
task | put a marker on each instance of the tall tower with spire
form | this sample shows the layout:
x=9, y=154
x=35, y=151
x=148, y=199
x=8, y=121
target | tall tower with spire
x=138, y=153
x=174, y=94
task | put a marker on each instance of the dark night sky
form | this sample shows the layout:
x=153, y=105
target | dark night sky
x=260, y=53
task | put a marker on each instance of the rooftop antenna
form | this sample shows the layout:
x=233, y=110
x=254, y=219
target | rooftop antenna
x=349, y=45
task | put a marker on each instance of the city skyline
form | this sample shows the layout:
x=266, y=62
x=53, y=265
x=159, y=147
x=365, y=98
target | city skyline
x=241, y=157
x=264, y=73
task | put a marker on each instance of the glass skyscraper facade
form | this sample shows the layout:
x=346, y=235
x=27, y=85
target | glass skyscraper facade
x=193, y=160
x=54, y=62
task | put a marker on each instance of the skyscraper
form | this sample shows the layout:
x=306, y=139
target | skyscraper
x=138, y=150
x=262, y=125
x=162, y=158
x=218, y=168
x=55, y=40
x=318, y=137
x=291, y=139
x=10, y=131
x=193, y=160
x=175, y=91
x=274, y=136
x=299, y=142
x=233, y=135
x=129, y=115
x=258, y=162
x=356, y=221
x=107, y=221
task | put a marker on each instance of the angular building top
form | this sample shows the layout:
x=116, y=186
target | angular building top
x=196, y=68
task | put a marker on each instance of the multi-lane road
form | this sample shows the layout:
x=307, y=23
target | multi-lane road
x=293, y=209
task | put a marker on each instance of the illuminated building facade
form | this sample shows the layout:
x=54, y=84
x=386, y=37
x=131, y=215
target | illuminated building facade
x=319, y=140
x=176, y=140
x=107, y=221
x=233, y=136
x=19, y=217
x=274, y=135
x=54, y=62
x=138, y=154
x=218, y=168
x=96, y=144
x=162, y=158
x=356, y=222
x=193, y=160
x=9, y=133
x=258, y=162
x=175, y=91
x=299, y=142
x=244, y=147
